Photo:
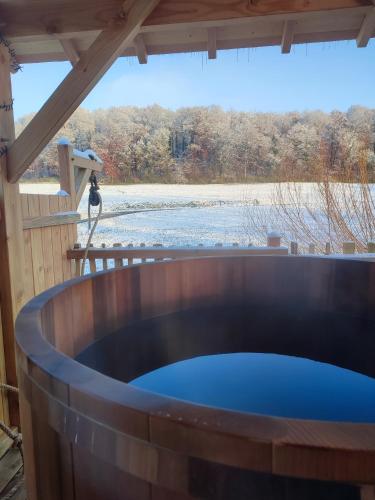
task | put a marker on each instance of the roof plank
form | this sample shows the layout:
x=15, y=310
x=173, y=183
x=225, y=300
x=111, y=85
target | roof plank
x=183, y=11
x=25, y=18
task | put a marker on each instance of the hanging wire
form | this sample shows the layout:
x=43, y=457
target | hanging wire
x=14, y=65
x=94, y=200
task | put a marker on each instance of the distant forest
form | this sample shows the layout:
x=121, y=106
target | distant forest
x=208, y=144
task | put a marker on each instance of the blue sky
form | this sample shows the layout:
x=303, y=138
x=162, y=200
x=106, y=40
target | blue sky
x=315, y=76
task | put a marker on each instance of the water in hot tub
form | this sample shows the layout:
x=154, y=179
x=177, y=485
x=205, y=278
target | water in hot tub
x=270, y=384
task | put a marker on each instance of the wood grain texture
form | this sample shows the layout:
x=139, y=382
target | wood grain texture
x=49, y=223
x=21, y=19
x=113, y=437
x=367, y=29
x=180, y=11
x=57, y=219
x=12, y=260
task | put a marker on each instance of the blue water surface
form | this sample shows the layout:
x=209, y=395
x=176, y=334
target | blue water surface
x=268, y=384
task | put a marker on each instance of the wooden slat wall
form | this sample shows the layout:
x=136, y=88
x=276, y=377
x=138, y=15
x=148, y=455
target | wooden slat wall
x=46, y=248
x=4, y=412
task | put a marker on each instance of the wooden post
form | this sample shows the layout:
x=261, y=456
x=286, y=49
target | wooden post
x=312, y=249
x=77, y=262
x=294, y=248
x=273, y=240
x=118, y=262
x=12, y=265
x=348, y=247
x=105, y=261
x=143, y=246
x=67, y=180
x=371, y=247
x=328, y=248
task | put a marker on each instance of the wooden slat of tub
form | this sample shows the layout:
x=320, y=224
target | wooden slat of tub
x=28, y=443
x=37, y=247
x=97, y=480
x=83, y=324
x=56, y=242
x=63, y=323
x=47, y=461
x=49, y=277
x=310, y=450
x=164, y=494
x=196, y=436
x=128, y=297
x=105, y=305
x=53, y=475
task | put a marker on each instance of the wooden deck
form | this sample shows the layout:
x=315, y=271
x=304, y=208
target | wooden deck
x=12, y=486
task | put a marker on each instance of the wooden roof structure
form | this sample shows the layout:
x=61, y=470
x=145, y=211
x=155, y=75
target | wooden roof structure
x=92, y=34
x=61, y=30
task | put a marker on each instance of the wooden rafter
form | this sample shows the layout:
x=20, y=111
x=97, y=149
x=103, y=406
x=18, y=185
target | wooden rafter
x=288, y=36
x=367, y=29
x=70, y=50
x=240, y=32
x=140, y=49
x=212, y=42
x=72, y=91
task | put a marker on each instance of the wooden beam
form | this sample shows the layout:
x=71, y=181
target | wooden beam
x=75, y=87
x=66, y=168
x=211, y=43
x=184, y=11
x=81, y=179
x=140, y=49
x=70, y=50
x=57, y=219
x=288, y=36
x=12, y=263
x=367, y=29
x=25, y=18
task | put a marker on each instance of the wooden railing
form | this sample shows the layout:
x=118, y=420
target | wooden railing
x=102, y=258
x=347, y=248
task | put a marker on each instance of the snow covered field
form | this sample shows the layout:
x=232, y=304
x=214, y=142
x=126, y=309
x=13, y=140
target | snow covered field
x=184, y=214
x=205, y=214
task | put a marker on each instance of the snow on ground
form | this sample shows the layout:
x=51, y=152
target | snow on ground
x=197, y=214
x=136, y=193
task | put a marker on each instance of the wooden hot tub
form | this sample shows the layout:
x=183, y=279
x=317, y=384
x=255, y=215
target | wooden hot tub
x=88, y=435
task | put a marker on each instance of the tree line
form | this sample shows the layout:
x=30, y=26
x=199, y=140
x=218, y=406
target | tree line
x=208, y=144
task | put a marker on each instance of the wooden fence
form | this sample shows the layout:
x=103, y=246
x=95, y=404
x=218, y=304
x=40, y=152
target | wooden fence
x=49, y=222
x=101, y=258
x=347, y=248
x=49, y=231
x=46, y=246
